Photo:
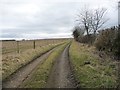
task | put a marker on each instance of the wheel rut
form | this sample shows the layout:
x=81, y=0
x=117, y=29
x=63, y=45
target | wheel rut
x=16, y=79
x=61, y=74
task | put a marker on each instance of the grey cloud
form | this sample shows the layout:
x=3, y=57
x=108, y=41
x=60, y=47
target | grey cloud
x=57, y=18
x=10, y=35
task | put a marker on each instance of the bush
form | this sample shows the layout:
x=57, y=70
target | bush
x=106, y=39
x=109, y=40
x=87, y=39
x=78, y=32
x=117, y=44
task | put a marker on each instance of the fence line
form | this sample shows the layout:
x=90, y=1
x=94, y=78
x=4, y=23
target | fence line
x=19, y=46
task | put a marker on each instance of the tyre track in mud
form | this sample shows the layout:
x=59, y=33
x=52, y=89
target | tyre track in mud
x=17, y=78
x=61, y=75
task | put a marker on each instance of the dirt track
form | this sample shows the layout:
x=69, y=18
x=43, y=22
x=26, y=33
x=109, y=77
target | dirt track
x=17, y=78
x=61, y=74
x=60, y=77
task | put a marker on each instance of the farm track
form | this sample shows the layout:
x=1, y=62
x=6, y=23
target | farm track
x=61, y=75
x=17, y=78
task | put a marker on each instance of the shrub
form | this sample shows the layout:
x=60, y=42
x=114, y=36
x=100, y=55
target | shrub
x=87, y=39
x=117, y=43
x=78, y=32
x=105, y=39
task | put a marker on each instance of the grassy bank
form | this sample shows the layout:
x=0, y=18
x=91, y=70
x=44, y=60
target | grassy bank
x=40, y=75
x=11, y=63
x=90, y=70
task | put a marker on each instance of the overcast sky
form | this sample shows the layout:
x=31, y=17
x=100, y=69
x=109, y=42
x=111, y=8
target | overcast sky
x=34, y=19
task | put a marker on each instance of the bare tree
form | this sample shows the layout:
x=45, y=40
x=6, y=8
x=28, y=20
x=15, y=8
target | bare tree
x=119, y=14
x=84, y=19
x=92, y=20
x=98, y=19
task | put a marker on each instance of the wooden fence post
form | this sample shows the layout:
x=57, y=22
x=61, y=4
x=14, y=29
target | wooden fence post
x=18, y=49
x=34, y=44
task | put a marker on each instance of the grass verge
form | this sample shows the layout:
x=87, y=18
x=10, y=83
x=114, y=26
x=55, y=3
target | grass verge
x=10, y=64
x=90, y=70
x=40, y=75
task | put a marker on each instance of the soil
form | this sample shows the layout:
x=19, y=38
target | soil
x=61, y=74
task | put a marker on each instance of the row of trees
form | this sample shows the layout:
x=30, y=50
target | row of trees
x=107, y=39
x=90, y=31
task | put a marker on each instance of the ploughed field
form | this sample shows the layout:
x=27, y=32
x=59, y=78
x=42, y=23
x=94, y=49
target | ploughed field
x=58, y=63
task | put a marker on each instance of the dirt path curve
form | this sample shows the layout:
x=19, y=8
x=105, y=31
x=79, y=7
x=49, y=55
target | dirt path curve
x=61, y=74
x=17, y=78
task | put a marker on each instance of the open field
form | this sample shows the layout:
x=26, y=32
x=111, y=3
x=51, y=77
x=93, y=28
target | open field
x=15, y=46
x=12, y=61
x=66, y=64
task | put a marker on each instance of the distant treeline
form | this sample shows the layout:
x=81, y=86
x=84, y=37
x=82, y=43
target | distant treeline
x=8, y=40
x=36, y=39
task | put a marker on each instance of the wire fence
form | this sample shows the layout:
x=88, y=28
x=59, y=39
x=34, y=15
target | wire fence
x=19, y=46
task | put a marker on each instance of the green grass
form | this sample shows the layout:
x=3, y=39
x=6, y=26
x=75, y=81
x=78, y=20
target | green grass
x=99, y=73
x=40, y=76
x=11, y=63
